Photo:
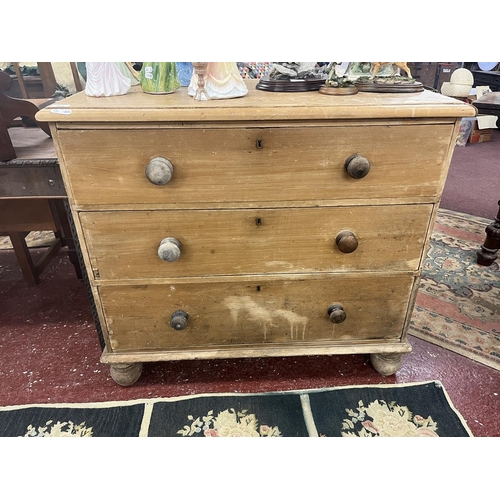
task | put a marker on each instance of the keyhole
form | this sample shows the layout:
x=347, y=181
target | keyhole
x=258, y=144
x=258, y=221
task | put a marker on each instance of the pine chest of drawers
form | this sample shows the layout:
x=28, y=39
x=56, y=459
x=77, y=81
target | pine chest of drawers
x=271, y=225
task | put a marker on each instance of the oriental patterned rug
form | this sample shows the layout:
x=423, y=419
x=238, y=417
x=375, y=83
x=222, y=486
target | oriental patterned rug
x=458, y=304
x=421, y=409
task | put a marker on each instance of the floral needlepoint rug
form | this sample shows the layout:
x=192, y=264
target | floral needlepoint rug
x=458, y=304
x=420, y=409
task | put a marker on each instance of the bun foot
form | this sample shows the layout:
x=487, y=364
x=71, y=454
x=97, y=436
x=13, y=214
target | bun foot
x=126, y=374
x=386, y=364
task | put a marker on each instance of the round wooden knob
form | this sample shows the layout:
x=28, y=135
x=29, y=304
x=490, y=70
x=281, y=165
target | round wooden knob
x=159, y=171
x=169, y=249
x=346, y=241
x=357, y=166
x=336, y=313
x=179, y=320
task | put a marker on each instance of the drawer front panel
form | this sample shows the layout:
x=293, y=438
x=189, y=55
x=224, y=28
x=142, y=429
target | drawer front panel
x=254, y=165
x=124, y=245
x=226, y=314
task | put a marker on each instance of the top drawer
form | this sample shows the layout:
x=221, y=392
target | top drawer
x=254, y=165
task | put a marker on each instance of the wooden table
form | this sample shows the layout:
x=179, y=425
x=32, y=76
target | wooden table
x=32, y=198
x=489, y=104
x=487, y=78
x=277, y=224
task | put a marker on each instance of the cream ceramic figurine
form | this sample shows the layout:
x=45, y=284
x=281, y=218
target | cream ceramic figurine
x=222, y=81
x=105, y=79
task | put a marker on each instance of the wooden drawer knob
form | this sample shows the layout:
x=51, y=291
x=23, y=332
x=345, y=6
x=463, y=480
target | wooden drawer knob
x=159, y=171
x=336, y=313
x=357, y=166
x=346, y=241
x=169, y=249
x=179, y=320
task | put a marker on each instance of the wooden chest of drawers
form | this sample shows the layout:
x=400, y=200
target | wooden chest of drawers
x=271, y=225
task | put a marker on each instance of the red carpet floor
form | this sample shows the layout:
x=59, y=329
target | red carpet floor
x=473, y=183
x=50, y=353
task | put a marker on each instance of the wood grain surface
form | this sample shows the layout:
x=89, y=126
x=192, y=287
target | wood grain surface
x=137, y=106
x=257, y=196
x=227, y=314
x=225, y=165
x=124, y=244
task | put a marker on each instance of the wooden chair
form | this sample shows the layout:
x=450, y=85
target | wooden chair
x=12, y=108
x=32, y=193
x=47, y=79
x=19, y=217
x=33, y=198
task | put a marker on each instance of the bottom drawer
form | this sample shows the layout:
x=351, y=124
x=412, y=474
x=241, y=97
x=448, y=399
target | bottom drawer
x=225, y=314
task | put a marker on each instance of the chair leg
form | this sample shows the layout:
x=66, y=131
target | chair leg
x=23, y=257
x=7, y=151
x=58, y=221
x=61, y=217
x=32, y=270
x=488, y=252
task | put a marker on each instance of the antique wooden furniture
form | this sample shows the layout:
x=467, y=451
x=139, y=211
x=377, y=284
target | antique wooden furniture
x=487, y=78
x=11, y=108
x=489, y=104
x=43, y=85
x=32, y=198
x=488, y=252
x=26, y=102
x=433, y=74
x=276, y=224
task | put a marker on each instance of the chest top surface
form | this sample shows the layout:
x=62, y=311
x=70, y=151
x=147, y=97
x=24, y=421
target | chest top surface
x=257, y=105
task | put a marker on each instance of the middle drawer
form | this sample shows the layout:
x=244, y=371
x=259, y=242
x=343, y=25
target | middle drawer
x=128, y=244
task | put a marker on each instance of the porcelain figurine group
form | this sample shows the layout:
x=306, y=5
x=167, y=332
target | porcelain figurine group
x=213, y=80
x=219, y=80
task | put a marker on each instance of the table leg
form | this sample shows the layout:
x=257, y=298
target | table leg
x=61, y=215
x=488, y=252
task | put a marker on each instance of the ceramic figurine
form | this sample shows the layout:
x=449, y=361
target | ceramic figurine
x=159, y=77
x=198, y=82
x=222, y=80
x=104, y=79
x=295, y=70
x=184, y=72
x=356, y=70
x=124, y=69
x=336, y=82
x=375, y=66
